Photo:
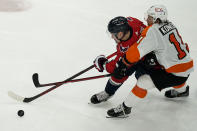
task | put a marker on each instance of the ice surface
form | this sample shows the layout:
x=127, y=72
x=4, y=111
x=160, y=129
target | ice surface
x=14, y=5
x=58, y=38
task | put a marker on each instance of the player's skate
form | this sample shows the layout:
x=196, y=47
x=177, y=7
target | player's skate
x=120, y=111
x=173, y=93
x=100, y=97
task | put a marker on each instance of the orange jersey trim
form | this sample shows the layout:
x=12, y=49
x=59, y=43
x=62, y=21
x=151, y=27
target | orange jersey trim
x=143, y=34
x=133, y=54
x=139, y=92
x=180, y=67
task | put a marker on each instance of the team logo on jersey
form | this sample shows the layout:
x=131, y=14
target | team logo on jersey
x=123, y=49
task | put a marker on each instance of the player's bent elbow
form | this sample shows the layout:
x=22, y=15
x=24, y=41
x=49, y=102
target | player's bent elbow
x=133, y=55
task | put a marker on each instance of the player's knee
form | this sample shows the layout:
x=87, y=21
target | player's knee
x=118, y=81
x=145, y=82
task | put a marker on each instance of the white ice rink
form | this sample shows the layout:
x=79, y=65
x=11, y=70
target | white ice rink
x=59, y=38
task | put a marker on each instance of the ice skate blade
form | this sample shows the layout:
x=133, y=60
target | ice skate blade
x=122, y=117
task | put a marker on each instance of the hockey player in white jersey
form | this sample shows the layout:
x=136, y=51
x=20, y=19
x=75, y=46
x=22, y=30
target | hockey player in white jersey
x=163, y=39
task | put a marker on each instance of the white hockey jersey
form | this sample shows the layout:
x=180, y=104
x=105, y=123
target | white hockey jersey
x=165, y=41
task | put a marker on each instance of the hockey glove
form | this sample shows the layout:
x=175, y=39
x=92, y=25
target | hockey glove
x=100, y=62
x=121, y=68
x=150, y=61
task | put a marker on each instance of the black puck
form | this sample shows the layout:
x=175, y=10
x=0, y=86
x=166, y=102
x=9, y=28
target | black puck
x=21, y=113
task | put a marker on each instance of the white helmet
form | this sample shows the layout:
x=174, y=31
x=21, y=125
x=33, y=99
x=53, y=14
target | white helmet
x=157, y=11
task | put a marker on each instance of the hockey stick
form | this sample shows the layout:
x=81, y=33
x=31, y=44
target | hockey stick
x=29, y=99
x=38, y=85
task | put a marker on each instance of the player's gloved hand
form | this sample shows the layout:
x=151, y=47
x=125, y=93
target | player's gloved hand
x=100, y=62
x=150, y=60
x=121, y=69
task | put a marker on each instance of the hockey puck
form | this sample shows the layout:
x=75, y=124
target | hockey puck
x=21, y=113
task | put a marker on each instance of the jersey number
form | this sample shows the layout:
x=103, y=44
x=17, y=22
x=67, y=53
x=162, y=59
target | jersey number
x=173, y=40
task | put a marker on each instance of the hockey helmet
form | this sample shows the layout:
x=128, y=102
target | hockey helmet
x=157, y=12
x=118, y=24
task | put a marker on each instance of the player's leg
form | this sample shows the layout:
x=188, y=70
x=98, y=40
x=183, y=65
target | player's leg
x=137, y=94
x=178, y=91
x=111, y=87
x=163, y=79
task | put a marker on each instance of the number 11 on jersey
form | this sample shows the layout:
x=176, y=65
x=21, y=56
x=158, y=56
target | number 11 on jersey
x=173, y=40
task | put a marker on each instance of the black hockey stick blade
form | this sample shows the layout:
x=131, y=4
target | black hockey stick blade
x=36, y=80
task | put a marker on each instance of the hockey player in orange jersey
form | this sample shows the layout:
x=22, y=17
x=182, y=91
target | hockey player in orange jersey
x=163, y=39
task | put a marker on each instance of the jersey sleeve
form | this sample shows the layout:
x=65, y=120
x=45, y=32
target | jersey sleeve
x=146, y=44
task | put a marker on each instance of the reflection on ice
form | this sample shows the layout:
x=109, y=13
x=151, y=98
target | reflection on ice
x=14, y=5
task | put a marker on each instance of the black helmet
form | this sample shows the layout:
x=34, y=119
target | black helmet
x=118, y=24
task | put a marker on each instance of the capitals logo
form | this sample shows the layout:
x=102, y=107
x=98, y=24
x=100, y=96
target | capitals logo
x=123, y=49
